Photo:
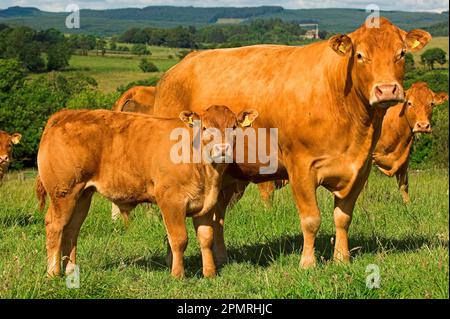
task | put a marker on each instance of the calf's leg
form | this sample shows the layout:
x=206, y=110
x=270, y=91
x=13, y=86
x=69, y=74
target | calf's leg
x=403, y=183
x=174, y=216
x=205, y=235
x=228, y=196
x=266, y=190
x=56, y=219
x=72, y=230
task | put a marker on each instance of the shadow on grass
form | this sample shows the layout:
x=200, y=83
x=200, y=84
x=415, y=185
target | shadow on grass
x=18, y=220
x=264, y=254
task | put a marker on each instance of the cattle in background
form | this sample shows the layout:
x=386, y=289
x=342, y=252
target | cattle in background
x=138, y=99
x=327, y=100
x=6, y=143
x=400, y=124
x=92, y=143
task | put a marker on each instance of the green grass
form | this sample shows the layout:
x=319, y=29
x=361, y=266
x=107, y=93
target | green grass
x=408, y=243
x=114, y=70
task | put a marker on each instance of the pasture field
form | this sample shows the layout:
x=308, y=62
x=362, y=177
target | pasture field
x=409, y=244
x=114, y=70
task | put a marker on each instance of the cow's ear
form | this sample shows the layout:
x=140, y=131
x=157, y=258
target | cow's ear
x=341, y=44
x=416, y=39
x=188, y=117
x=246, y=117
x=440, y=98
x=129, y=106
x=15, y=138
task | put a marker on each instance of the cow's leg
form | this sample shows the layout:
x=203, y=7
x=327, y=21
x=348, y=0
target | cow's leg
x=72, y=230
x=174, y=215
x=343, y=212
x=205, y=235
x=227, y=198
x=266, y=190
x=57, y=217
x=403, y=183
x=304, y=192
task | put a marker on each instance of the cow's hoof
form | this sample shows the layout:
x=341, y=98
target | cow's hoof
x=221, y=261
x=209, y=272
x=178, y=274
x=307, y=262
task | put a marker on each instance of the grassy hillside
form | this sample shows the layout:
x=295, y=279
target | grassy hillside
x=108, y=22
x=409, y=244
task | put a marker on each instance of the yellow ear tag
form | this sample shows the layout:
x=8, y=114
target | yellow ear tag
x=246, y=122
x=342, y=48
x=415, y=44
x=191, y=120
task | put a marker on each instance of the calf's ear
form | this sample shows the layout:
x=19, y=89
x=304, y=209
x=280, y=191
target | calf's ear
x=341, y=44
x=246, y=117
x=440, y=98
x=188, y=117
x=15, y=138
x=416, y=39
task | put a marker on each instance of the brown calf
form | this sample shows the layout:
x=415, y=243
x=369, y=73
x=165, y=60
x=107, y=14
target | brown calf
x=81, y=152
x=6, y=143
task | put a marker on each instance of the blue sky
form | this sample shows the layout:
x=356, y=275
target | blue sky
x=404, y=5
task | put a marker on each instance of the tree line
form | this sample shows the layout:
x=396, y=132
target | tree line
x=30, y=46
x=274, y=31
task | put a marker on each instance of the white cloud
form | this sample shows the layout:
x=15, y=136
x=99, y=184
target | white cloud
x=405, y=5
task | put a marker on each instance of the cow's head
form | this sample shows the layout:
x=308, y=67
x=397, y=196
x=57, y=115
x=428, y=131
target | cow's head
x=6, y=143
x=419, y=104
x=376, y=58
x=218, y=125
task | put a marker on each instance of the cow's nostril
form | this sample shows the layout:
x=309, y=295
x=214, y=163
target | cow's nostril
x=378, y=91
x=394, y=91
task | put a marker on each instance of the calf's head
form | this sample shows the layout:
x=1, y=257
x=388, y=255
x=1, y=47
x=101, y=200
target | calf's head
x=6, y=143
x=217, y=126
x=419, y=104
x=376, y=59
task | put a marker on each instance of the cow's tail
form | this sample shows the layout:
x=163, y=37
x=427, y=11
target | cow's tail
x=41, y=193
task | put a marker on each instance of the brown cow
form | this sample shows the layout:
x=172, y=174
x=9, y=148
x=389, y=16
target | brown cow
x=81, y=153
x=400, y=123
x=327, y=100
x=139, y=99
x=6, y=143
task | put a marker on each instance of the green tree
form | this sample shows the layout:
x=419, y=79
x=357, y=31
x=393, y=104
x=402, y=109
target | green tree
x=101, y=46
x=432, y=56
x=58, y=56
x=409, y=62
x=12, y=75
x=147, y=66
x=140, y=49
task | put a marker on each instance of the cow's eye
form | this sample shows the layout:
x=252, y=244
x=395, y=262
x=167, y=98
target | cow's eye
x=409, y=103
x=432, y=104
x=204, y=128
x=359, y=56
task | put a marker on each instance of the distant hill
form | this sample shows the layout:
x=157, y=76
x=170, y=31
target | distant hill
x=114, y=21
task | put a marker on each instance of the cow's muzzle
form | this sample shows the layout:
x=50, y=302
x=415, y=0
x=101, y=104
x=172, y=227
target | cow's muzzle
x=221, y=152
x=386, y=94
x=422, y=127
x=4, y=159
